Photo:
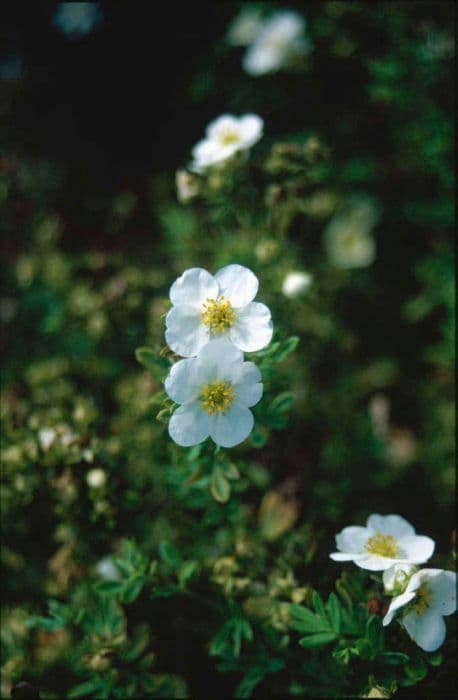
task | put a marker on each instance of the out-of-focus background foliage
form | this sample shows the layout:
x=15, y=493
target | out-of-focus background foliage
x=93, y=129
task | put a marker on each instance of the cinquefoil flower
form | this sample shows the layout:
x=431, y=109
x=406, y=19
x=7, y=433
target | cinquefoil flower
x=76, y=19
x=429, y=595
x=386, y=540
x=216, y=389
x=207, y=307
x=348, y=237
x=279, y=43
x=226, y=136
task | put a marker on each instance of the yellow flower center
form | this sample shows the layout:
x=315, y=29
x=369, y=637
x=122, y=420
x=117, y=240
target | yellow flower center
x=217, y=397
x=384, y=545
x=228, y=137
x=423, y=599
x=218, y=314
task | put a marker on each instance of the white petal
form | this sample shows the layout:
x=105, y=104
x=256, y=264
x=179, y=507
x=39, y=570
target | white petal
x=185, y=333
x=442, y=585
x=396, y=604
x=352, y=539
x=238, y=284
x=260, y=58
x=219, y=359
x=251, y=129
x=253, y=328
x=345, y=556
x=189, y=424
x=397, y=576
x=248, y=387
x=233, y=428
x=416, y=548
x=181, y=383
x=193, y=288
x=427, y=630
x=374, y=562
x=225, y=122
x=392, y=525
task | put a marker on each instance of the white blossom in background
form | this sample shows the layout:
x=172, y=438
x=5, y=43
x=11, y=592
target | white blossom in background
x=348, y=237
x=107, y=569
x=187, y=186
x=386, y=540
x=224, y=137
x=206, y=307
x=244, y=27
x=46, y=437
x=279, y=43
x=296, y=283
x=429, y=596
x=216, y=390
x=96, y=478
x=76, y=19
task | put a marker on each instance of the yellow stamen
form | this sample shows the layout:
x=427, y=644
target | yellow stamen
x=423, y=599
x=217, y=397
x=218, y=314
x=384, y=545
x=228, y=137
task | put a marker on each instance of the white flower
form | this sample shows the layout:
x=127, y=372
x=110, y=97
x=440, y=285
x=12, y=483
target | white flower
x=279, y=43
x=430, y=594
x=396, y=578
x=96, y=478
x=386, y=540
x=244, y=27
x=107, y=569
x=187, y=186
x=226, y=136
x=46, y=437
x=348, y=236
x=295, y=283
x=220, y=306
x=216, y=389
x=76, y=19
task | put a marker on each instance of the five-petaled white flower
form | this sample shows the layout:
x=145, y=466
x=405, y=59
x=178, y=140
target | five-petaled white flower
x=279, y=43
x=348, y=237
x=430, y=594
x=216, y=389
x=386, y=540
x=206, y=307
x=226, y=136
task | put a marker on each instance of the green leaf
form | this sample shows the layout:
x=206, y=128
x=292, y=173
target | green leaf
x=187, y=571
x=374, y=632
x=287, y=348
x=305, y=620
x=318, y=604
x=317, y=640
x=393, y=657
x=132, y=589
x=169, y=554
x=259, y=437
x=282, y=402
x=86, y=688
x=153, y=361
x=109, y=587
x=334, y=612
x=220, y=487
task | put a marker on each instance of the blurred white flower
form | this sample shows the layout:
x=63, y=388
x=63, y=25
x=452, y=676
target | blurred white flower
x=46, y=437
x=187, y=186
x=96, y=478
x=296, y=283
x=386, y=540
x=429, y=595
x=279, y=43
x=107, y=569
x=226, y=136
x=379, y=412
x=216, y=389
x=219, y=306
x=244, y=27
x=76, y=19
x=348, y=236
x=396, y=578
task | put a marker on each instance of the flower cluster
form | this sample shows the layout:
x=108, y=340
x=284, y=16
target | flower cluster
x=212, y=322
x=389, y=544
